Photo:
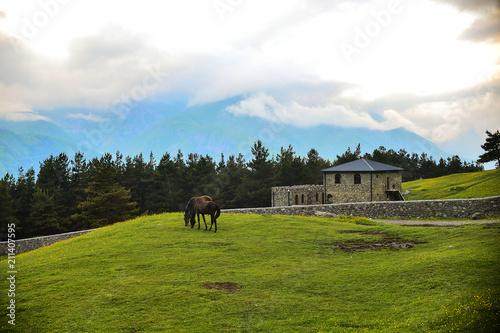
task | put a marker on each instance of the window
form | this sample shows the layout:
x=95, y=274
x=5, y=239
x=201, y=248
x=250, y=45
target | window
x=337, y=178
x=302, y=199
x=296, y=199
x=357, y=178
x=317, y=197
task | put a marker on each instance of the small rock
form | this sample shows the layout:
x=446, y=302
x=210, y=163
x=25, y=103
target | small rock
x=476, y=216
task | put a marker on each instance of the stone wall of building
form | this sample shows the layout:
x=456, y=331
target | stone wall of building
x=456, y=208
x=30, y=244
x=297, y=195
x=372, y=187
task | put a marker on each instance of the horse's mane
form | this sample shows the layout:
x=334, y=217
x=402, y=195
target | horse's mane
x=189, y=205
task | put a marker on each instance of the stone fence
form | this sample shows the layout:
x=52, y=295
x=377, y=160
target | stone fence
x=30, y=244
x=454, y=208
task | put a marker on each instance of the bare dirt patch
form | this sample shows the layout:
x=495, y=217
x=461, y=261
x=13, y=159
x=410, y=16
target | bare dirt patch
x=227, y=286
x=387, y=241
x=220, y=244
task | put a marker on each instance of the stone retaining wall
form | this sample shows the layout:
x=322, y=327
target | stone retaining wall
x=455, y=208
x=30, y=244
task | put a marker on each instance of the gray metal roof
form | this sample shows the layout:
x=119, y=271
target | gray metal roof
x=362, y=165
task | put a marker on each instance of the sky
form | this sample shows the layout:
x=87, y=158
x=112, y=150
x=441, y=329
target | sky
x=430, y=66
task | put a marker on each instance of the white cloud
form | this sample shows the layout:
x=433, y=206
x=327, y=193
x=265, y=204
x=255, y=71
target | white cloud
x=23, y=116
x=101, y=70
x=265, y=106
x=415, y=72
x=90, y=117
x=439, y=121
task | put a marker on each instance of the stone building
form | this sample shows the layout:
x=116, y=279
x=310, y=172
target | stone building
x=362, y=181
x=357, y=181
x=297, y=195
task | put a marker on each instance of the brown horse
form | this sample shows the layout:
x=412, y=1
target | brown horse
x=205, y=207
x=190, y=207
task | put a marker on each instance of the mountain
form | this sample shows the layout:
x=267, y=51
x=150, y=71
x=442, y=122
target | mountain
x=204, y=129
x=28, y=149
x=210, y=129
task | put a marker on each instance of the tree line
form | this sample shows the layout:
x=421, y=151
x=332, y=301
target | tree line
x=76, y=194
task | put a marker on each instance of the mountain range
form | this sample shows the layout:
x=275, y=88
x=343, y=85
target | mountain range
x=206, y=129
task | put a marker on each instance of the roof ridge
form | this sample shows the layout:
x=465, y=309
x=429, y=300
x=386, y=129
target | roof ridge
x=371, y=168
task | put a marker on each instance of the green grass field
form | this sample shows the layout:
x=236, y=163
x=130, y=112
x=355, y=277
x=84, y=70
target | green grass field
x=261, y=273
x=457, y=186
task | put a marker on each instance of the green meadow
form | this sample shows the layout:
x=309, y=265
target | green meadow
x=261, y=273
x=457, y=186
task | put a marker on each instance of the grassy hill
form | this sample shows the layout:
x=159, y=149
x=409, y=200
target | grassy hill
x=262, y=273
x=457, y=186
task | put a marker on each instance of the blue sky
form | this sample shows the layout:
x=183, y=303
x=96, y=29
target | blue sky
x=428, y=66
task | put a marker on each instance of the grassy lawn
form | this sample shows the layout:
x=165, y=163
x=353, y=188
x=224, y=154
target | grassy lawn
x=262, y=273
x=457, y=186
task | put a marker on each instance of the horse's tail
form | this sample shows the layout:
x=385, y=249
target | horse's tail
x=217, y=214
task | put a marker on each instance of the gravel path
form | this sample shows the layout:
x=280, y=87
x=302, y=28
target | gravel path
x=424, y=223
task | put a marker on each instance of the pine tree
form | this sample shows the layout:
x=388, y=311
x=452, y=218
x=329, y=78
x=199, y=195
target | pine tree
x=348, y=156
x=201, y=171
x=230, y=176
x=6, y=203
x=106, y=201
x=44, y=219
x=491, y=148
x=23, y=196
x=291, y=168
x=314, y=165
x=79, y=179
x=257, y=182
x=162, y=198
x=54, y=179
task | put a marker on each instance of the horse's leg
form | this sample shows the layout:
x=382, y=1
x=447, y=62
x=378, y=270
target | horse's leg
x=204, y=221
x=198, y=221
x=211, y=221
x=215, y=222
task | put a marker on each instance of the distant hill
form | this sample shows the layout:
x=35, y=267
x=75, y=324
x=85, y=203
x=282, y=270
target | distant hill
x=210, y=129
x=27, y=150
x=205, y=129
x=457, y=186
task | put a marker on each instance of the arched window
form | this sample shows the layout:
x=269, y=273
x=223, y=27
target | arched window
x=357, y=178
x=317, y=197
x=329, y=198
x=302, y=199
x=296, y=199
x=337, y=178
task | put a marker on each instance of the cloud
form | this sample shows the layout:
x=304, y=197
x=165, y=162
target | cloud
x=283, y=57
x=476, y=6
x=486, y=26
x=112, y=67
x=440, y=117
x=90, y=117
x=267, y=107
x=23, y=116
x=485, y=29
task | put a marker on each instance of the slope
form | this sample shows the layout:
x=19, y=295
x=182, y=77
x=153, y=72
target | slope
x=457, y=186
x=260, y=274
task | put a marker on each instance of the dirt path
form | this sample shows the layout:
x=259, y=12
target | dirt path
x=424, y=223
